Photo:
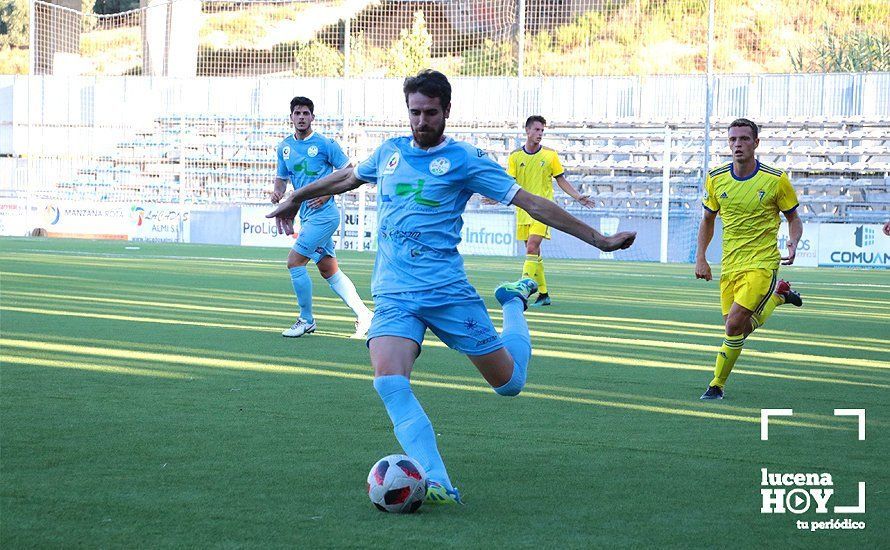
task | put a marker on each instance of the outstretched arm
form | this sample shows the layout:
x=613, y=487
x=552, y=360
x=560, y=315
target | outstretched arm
x=338, y=182
x=552, y=215
x=341, y=181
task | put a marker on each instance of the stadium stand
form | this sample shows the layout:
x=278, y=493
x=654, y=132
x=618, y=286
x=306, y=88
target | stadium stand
x=840, y=167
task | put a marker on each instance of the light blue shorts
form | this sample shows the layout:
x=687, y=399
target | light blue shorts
x=455, y=313
x=315, y=239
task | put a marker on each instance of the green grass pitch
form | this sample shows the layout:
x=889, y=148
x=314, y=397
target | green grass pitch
x=148, y=400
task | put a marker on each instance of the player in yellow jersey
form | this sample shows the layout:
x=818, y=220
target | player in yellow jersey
x=534, y=167
x=748, y=196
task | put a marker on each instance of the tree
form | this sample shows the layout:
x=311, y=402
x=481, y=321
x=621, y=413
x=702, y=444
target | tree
x=853, y=52
x=412, y=52
x=14, y=23
x=115, y=6
x=318, y=59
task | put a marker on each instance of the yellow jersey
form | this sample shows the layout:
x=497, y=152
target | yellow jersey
x=534, y=173
x=750, y=210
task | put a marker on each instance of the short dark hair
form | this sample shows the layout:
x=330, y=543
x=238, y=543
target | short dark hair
x=429, y=83
x=300, y=100
x=744, y=123
x=535, y=118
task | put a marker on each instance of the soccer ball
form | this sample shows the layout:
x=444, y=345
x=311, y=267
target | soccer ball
x=397, y=483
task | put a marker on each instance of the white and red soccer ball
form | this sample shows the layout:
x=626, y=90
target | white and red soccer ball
x=397, y=483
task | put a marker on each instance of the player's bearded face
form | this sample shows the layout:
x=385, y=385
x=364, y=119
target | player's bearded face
x=427, y=118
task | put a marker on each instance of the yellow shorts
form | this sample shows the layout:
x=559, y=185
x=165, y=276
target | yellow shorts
x=534, y=228
x=749, y=288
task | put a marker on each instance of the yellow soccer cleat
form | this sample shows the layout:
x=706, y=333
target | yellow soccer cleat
x=436, y=493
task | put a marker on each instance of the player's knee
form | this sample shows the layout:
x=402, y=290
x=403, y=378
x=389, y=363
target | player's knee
x=296, y=260
x=737, y=325
x=327, y=267
x=514, y=386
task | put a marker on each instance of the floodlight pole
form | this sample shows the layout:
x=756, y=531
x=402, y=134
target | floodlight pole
x=31, y=34
x=709, y=87
x=665, y=195
x=520, y=60
x=30, y=179
x=346, y=113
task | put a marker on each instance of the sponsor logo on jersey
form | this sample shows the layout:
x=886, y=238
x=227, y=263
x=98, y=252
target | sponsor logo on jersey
x=391, y=164
x=415, y=190
x=440, y=166
x=303, y=166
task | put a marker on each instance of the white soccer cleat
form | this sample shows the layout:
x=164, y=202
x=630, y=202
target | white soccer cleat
x=362, y=326
x=299, y=328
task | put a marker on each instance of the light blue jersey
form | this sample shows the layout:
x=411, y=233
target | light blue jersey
x=302, y=161
x=421, y=195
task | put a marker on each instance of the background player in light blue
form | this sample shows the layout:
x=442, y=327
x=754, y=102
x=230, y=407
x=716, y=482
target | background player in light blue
x=304, y=157
x=423, y=185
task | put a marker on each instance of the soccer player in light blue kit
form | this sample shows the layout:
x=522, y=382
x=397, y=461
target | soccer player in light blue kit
x=423, y=185
x=304, y=157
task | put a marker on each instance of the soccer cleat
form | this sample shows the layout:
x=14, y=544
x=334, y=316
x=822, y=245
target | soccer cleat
x=436, y=493
x=713, y=392
x=541, y=300
x=783, y=289
x=522, y=289
x=362, y=326
x=299, y=328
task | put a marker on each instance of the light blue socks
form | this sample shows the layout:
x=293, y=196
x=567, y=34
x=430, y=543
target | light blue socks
x=412, y=426
x=345, y=289
x=516, y=339
x=299, y=277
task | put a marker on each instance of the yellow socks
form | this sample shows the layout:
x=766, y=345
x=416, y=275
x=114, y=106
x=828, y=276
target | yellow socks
x=533, y=268
x=774, y=301
x=530, y=267
x=726, y=358
x=541, y=280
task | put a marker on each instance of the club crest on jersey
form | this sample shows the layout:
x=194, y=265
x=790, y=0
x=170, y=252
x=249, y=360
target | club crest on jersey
x=285, y=152
x=723, y=195
x=440, y=166
x=542, y=163
x=312, y=151
x=391, y=164
x=761, y=193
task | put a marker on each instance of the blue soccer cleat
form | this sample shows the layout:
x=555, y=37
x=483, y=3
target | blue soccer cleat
x=436, y=493
x=713, y=392
x=522, y=289
x=541, y=300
